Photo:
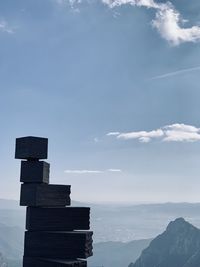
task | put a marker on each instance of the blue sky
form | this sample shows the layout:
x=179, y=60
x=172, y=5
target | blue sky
x=79, y=71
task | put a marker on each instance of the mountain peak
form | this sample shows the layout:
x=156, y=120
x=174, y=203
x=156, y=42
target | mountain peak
x=175, y=247
x=180, y=220
x=178, y=225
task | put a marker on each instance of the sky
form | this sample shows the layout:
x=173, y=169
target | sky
x=114, y=85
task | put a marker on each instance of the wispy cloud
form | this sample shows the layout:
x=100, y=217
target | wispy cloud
x=71, y=3
x=168, y=21
x=114, y=170
x=175, y=73
x=4, y=27
x=171, y=133
x=113, y=133
x=91, y=171
x=143, y=136
x=83, y=171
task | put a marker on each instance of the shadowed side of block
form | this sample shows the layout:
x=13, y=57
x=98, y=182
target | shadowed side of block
x=38, y=195
x=41, y=262
x=59, y=219
x=62, y=245
x=31, y=147
x=34, y=172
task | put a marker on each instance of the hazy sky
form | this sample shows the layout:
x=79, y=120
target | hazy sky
x=114, y=85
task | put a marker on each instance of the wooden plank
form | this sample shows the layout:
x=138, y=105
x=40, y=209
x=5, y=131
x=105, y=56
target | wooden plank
x=62, y=245
x=31, y=147
x=38, y=195
x=59, y=219
x=34, y=172
x=42, y=262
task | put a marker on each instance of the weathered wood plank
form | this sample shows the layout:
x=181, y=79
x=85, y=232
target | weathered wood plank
x=42, y=262
x=34, y=172
x=38, y=195
x=59, y=219
x=62, y=245
x=31, y=147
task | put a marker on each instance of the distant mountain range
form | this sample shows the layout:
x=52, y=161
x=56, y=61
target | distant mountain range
x=117, y=254
x=12, y=221
x=11, y=241
x=114, y=229
x=117, y=223
x=178, y=246
x=134, y=222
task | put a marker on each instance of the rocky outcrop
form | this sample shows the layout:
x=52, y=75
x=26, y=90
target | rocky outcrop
x=178, y=246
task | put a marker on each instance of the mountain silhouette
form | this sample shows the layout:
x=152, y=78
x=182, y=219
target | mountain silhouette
x=178, y=246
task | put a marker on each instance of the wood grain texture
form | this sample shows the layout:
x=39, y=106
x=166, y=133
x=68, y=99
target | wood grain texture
x=38, y=195
x=58, y=219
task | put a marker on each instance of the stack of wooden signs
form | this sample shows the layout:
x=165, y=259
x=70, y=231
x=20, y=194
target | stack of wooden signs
x=57, y=234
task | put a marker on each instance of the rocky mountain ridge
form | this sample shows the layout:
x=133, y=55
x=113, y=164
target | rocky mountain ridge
x=178, y=246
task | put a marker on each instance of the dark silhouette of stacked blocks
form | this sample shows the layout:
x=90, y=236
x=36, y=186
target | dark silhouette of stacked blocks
x=57, y=234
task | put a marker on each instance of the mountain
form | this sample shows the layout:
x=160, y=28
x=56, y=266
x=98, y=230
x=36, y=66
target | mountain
x=115, y=222
x=11, y=242
x=136, y=222
x=117, y=254
x=110, y=222
x=12, y=221
x=178, y=246
x=3, y=262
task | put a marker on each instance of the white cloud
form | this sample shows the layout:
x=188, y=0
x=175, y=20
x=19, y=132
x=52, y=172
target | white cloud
x=83, y=171
x=170, y=133
x=167, y=20
x=168, y=23
x=114, y=170
x=91, y=171
x=113, y=133
x=143, y=136
x=4, y=27
x=182, y=127
x=146, y=3
x=68, y=2
x=181, y=133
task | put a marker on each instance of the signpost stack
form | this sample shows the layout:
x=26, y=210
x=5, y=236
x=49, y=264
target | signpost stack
x=57, y=234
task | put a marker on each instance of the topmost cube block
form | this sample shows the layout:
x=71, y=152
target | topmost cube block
x=31, y=148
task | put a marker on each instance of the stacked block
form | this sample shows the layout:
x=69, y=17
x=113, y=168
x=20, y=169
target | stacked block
x=57, y=234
